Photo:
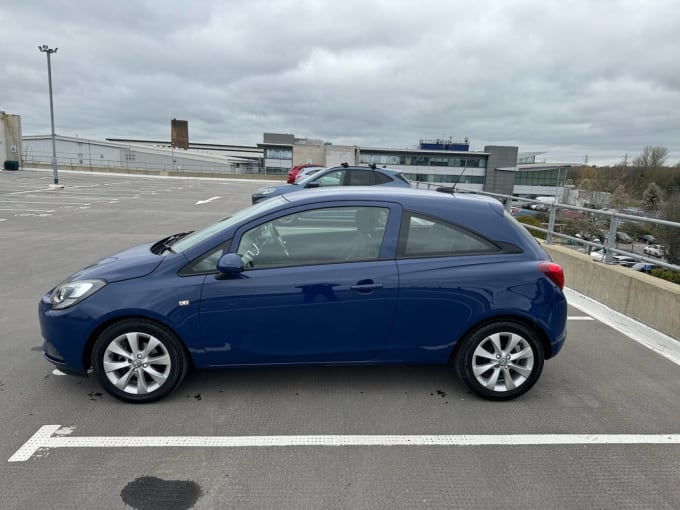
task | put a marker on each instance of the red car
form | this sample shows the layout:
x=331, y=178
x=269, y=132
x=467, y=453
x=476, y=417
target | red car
x=292, y=173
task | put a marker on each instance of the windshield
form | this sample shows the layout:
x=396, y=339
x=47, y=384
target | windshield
x=306, y=178
x=193, y=239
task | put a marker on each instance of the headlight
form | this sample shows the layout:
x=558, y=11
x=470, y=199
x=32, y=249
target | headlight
x=70, y=293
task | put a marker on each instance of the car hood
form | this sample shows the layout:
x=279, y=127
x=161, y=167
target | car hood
x=281, y=188
x=128, y=264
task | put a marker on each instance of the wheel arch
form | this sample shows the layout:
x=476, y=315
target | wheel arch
x=87, y=351
x=524, y=321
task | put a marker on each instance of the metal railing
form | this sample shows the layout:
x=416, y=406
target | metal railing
x=136, y=161
x=615, y=219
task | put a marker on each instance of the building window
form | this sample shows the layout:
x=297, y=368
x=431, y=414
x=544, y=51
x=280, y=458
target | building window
x=550, y=177
x=423, y=160
x=444, y=178
x=279, y=153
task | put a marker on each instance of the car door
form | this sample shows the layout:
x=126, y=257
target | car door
x=305, y=295
x=445, y=277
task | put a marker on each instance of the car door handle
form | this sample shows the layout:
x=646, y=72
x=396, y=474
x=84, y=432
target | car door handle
x=366, y=287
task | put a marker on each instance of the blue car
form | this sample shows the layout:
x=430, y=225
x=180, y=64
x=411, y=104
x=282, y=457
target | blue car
x=344, y=175
x=376, y=276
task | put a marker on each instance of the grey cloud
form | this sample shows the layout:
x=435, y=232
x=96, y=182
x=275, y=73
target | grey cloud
x=571, y=78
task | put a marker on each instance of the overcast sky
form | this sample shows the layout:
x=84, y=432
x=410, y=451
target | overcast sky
x=576, y=79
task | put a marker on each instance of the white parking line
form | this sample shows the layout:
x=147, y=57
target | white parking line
x=29, y=210
x=580, y=318
x=50, y=203
x=208, y=200
x=45, y=438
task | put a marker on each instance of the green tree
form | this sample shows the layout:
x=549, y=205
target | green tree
x=670, y=236
x=651, y=198
x=619, y=197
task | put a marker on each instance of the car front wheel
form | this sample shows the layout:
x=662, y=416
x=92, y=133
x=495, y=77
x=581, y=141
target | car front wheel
x=138, y=361
x=500, y=361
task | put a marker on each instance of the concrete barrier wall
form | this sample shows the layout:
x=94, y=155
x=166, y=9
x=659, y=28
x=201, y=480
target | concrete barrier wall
x=648, y=299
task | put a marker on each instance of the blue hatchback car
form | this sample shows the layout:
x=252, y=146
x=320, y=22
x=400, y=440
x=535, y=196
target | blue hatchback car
x=362, y=276
x=344, y=175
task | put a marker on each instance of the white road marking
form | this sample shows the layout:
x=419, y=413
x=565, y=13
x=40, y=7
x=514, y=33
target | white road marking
x=580, y=318
x=29, y=210
x=48, y=436
x=28, y=191
x=206, y=201
x=652, y=339
x=19, y=201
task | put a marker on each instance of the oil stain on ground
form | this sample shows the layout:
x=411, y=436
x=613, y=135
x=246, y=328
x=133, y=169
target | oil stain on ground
x=151, y=493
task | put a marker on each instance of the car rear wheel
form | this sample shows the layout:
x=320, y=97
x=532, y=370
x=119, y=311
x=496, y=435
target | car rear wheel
x=138, y=361
x=500, y=361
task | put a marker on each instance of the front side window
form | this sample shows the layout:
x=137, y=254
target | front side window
x=333, y=178
x=319, y=236
x=197, y=237
x=427, y=237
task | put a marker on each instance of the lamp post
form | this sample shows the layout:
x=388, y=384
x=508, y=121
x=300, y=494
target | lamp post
x=49, y=51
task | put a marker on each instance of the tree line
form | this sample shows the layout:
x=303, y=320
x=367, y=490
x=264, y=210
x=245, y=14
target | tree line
x=645, y=183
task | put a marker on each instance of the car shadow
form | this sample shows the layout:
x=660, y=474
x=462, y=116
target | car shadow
x=335, y=379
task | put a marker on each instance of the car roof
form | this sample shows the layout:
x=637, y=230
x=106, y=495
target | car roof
x=406, y=196
x=390, y=171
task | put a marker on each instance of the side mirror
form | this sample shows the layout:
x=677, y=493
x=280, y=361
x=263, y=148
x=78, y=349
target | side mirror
x=230, y=264
x=313, y=185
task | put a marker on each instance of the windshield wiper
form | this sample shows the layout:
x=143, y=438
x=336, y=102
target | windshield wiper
x=167, y=242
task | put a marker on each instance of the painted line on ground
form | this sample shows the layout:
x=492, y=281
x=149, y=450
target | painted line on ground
x=580, y=318
x=19, y=201
x=45, y=438
x=658, y=342
x=208, y=200
x=29, y=210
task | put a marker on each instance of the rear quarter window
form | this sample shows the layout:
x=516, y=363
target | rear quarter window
x=423, y=236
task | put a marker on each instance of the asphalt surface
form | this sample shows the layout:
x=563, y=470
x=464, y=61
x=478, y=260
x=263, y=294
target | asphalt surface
x=603, y=383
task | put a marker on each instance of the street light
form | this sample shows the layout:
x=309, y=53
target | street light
x=49, y=51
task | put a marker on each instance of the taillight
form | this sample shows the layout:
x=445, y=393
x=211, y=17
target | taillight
x=553, y=272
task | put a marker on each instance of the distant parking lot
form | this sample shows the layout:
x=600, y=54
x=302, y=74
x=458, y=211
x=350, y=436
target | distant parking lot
x=601, y=429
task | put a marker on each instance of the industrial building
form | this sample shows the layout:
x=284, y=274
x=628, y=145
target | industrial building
x=431, y=164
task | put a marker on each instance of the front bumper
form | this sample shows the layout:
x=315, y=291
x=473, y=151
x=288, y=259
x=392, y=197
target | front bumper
x=65, y=334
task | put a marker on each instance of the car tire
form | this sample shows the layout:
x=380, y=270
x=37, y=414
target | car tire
x=501, y=360
x=138, y=361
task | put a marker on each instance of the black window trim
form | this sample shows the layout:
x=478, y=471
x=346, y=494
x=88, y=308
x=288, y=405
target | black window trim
x=186, y=268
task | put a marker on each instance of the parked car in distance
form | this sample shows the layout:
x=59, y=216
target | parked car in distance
x=293, y=172
x=647, y=238
x=415, y=277
x=518, y=211
x=306, y=172
x=654, y=250
x=643, y=267
x=589, y=236
x=344, y=175
x=622, y=237
x=621, y=260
